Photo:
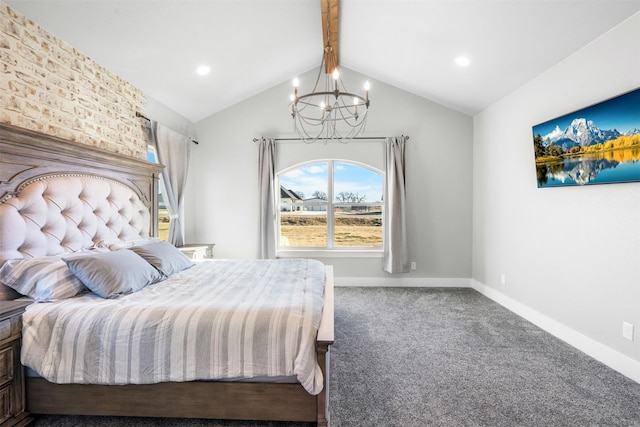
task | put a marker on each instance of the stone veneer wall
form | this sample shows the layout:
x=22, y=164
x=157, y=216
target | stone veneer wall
x=48, y=86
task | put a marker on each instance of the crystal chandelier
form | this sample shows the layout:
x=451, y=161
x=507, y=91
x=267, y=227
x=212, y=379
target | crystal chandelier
x=329, y=111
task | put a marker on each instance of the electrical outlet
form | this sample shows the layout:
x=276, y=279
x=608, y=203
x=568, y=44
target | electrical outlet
x=627, y=331
x=503, y=279
x=413, y=265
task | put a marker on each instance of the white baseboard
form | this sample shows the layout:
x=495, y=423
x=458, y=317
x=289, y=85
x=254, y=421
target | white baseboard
x=403, y=282
x=602, y=353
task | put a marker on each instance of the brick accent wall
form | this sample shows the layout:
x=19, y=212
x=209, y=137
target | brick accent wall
x=48, y=86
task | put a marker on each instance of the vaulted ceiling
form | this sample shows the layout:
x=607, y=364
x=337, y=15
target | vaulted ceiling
x=252, y=45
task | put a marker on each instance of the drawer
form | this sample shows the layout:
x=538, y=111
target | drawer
x=5, y=404
x=10, y=328
x=6, y=366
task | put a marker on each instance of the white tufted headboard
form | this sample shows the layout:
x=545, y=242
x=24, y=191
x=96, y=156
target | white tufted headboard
x=58, y=196
x=64, y=213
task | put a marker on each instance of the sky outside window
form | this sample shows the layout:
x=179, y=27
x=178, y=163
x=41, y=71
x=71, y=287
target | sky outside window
x=348, y=178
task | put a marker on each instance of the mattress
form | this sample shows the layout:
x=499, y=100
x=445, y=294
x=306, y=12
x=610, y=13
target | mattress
x=220, y=319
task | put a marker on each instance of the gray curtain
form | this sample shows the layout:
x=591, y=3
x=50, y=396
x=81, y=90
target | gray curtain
x=266, y=187
x=172, y=150
x=396, y=253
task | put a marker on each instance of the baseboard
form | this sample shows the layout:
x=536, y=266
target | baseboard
x=403, y=282
x=602, y=353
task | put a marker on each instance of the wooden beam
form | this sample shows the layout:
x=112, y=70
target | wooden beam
x=330, y=34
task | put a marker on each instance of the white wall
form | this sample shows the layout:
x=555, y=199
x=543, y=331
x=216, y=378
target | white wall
x=570, y=254
x=167, y=117
x=223, y=201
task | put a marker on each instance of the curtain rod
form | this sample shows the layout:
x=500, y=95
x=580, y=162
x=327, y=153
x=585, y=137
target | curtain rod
x=138, y=114
x=300, y=139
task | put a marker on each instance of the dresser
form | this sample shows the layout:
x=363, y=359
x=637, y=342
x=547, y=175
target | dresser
x=12, y=399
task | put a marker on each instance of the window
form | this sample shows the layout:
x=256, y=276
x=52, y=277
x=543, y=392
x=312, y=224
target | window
x=330, y=205
x=161, y=208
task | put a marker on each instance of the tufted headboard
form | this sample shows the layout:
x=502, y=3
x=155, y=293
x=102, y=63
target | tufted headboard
x=58, y=196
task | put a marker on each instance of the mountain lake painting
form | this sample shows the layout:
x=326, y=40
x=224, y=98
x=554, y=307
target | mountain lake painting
x=599, y=144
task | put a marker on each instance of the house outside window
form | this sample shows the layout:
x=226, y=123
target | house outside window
x=330, y=206
x=290, y=201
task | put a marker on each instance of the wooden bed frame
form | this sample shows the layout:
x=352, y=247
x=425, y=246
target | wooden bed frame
x=26, y=155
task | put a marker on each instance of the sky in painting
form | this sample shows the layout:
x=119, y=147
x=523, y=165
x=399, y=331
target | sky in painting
x=621, y=113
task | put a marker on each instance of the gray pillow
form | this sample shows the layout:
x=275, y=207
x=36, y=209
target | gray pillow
x=112, y=274
x=163, y=256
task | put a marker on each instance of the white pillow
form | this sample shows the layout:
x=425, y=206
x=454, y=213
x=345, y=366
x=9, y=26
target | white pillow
x=43, y=279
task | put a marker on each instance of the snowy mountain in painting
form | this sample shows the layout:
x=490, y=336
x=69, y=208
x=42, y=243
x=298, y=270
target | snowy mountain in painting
x=581, y=132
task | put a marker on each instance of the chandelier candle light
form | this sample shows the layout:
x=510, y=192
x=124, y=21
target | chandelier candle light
x=329, y=114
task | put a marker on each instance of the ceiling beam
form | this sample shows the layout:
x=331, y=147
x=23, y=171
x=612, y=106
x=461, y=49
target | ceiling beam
x=330, y=34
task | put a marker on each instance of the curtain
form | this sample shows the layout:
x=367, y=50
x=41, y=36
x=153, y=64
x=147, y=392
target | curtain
x=173, y=151
x=396, y=253
x=266, y=187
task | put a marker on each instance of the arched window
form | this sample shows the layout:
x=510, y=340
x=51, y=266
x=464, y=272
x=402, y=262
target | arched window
x=330, y=205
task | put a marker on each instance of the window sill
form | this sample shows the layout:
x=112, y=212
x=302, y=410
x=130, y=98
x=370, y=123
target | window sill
x=326, y=253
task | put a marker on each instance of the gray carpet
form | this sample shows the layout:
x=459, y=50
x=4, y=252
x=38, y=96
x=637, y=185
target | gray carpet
x=446, y=357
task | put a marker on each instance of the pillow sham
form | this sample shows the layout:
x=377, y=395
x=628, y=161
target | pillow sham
x=43, y=279
x=112, y=274
x=164, y=256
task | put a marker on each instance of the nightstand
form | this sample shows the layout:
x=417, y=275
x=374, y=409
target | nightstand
x=198, y=251
x=12, y=400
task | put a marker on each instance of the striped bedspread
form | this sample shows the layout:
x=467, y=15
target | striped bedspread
x=220, y=319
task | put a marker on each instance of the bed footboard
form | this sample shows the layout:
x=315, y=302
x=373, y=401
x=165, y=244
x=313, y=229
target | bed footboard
x=323, y=344
x=215, y=400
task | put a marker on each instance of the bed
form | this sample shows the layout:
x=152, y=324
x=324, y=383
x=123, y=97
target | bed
x=89, y=204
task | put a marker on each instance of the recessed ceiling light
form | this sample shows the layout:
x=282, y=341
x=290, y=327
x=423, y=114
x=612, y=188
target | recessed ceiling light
x=203, y=70
x=462, y=61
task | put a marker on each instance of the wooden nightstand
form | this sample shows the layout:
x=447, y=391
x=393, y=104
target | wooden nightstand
x=12, y=401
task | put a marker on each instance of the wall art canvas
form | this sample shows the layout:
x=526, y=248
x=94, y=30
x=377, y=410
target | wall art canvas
x=599, y=144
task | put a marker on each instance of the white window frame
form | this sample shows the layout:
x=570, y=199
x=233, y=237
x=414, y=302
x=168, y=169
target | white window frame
x=330, y=250
x=156, y=208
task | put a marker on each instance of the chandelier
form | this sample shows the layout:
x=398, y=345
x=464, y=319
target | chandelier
x=329, y=111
